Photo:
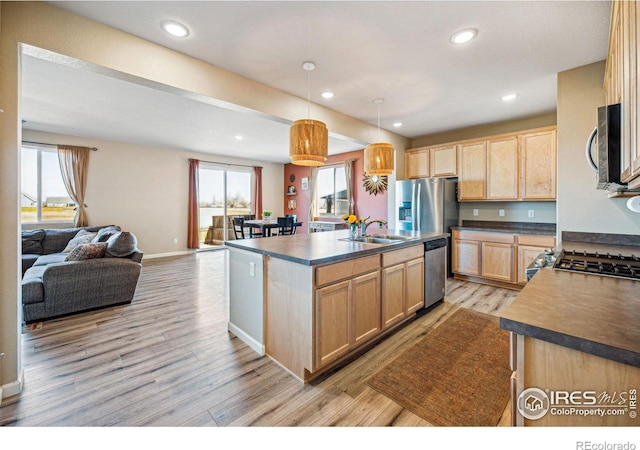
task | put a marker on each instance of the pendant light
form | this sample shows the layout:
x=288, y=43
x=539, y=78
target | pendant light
x=378, y=158
x=308, y=139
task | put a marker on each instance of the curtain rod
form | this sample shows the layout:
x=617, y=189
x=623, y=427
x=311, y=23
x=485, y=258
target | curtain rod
x=52, y=145
x=222, y=164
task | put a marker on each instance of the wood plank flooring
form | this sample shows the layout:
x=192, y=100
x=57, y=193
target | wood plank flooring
x=168, y=360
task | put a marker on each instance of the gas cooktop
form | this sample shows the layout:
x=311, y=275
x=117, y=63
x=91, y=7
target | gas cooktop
x=623, y=266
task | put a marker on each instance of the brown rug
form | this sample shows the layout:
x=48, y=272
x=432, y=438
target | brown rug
x=458, y=375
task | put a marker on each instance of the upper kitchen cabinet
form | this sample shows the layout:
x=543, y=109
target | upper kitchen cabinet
x=509, y=167
x=425, y=162
x=621, y=83
x=538, y=165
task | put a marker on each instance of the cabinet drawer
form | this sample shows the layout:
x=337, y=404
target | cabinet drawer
x=537, y=240
x=347, y=269
x=405, y=254
x=484, y=236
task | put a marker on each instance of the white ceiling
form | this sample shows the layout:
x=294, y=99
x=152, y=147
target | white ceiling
x=363, y=50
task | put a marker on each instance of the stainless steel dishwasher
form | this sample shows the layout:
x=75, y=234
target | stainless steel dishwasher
x=435, y=270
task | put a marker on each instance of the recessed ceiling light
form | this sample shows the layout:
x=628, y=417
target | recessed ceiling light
x=175, y=29
x=239, y=137
x=327, y=94
x=509, y=97
x=464, y=36
x=397, y=124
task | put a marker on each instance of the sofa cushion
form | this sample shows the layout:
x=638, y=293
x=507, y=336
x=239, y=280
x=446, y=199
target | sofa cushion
x=105, y=233
x=56, y=239
x=32, y=241
x=122, y=244
x=50, y=259
x=28, y=260
x=82, y=237
x=87, y=251
x=32, y=287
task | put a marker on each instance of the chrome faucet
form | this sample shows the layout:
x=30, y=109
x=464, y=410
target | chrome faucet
x=369, y=222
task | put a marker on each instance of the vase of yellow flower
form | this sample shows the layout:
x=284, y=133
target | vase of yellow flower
x=356, y=226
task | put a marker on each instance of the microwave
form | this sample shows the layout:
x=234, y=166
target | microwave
x=608, y=138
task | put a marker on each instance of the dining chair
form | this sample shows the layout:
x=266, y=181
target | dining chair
x=238, y=227
x=286, y=225
x=295, y=219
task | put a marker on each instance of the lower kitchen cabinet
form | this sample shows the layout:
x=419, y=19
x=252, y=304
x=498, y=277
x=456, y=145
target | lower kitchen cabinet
x=496, y=257
x=402, y=284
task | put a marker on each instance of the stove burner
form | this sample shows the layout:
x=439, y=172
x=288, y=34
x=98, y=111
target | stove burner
x=594, y=263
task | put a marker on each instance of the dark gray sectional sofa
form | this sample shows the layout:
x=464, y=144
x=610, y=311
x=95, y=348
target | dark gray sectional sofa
x=71, y=270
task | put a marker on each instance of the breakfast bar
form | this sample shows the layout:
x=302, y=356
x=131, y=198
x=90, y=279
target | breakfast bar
x=309, y=301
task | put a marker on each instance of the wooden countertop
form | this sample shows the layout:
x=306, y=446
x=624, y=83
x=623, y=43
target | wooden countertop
x=326, y=247
x=595, y=314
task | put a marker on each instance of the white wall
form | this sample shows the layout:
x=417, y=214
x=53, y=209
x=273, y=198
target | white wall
x=145, y=189
x=543, y=212
x=581, y=207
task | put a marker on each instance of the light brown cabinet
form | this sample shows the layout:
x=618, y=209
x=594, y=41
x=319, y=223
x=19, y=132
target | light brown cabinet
x=472, y=175
x=402, y=284
x=416, y=163
x=502, y=168
x=538, y=154
x=347, y=314
x=495, y=257
x=622, y=83
x=443, y=161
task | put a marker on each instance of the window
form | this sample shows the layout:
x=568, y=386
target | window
x=332, y=192
x=43, y=197
x=222, y=193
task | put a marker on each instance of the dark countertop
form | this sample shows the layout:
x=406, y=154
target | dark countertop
x=594, y=314
x=325, y=247
x=546, y=229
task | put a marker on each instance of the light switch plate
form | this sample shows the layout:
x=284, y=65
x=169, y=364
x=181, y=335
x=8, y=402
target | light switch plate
x=531, y=213
x=475, y=212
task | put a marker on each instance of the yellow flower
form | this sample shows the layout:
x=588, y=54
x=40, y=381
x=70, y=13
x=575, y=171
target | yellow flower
x=345, y=217
x=352, y=219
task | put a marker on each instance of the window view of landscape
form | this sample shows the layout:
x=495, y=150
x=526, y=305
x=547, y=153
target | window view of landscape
x=332, y=192
x=216, y=202
x=43, y=197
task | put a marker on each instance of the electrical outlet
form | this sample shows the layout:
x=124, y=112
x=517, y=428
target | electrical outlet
x=475, y=212
x=252, y=269
x=175, y=240
x=501, y=212
x=531, y=213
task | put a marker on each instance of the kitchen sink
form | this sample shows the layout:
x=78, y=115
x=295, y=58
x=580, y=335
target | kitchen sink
x=377, y=239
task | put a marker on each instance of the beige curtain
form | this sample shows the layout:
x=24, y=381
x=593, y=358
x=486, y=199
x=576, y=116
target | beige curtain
x=256, y=205
x=348, y=174
x=193, y=226
x=313, y=197
x=74, y=166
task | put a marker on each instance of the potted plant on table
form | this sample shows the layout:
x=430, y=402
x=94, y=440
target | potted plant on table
x=356, y=226
x=266, y=215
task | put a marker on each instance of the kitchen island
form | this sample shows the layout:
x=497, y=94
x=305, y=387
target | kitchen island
x=575, y=348
x=310, y=301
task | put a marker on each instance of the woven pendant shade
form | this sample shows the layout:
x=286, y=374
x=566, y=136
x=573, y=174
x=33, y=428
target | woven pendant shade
x=378, y=159
x=308, y=142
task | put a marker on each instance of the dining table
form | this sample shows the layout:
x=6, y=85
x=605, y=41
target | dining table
x=266, y=225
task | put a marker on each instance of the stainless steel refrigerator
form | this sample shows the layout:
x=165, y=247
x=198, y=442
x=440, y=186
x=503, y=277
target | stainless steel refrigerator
x=428, y=204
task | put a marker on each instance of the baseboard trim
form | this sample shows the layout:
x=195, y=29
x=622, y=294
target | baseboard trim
x=11, y=389
x=164, y=255
x=244, y=337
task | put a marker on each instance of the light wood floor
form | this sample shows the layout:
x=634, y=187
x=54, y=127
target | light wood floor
x=168, y=360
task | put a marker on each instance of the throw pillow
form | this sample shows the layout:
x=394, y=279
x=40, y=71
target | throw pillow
x=105, y=233
x=82, y=237
x=122, y=244
x=87, y=251
x=32, y=241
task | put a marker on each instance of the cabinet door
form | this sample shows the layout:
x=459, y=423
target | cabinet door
x=472, y=173
x=332, y=322
x=393, y=292
x=365, y=307
x=502, y=169
x=414, y=288
x=526, y=255
x=443, y=161
x=498, y=261
x=538, y=166
x=416, y=164
x=465, y=257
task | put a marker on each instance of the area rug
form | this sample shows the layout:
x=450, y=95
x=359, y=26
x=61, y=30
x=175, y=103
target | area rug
x=457, y=375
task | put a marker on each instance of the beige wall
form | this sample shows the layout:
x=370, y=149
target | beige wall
x=581, y=207
x=45, y=26
x=543, y=212
x=145, y=189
